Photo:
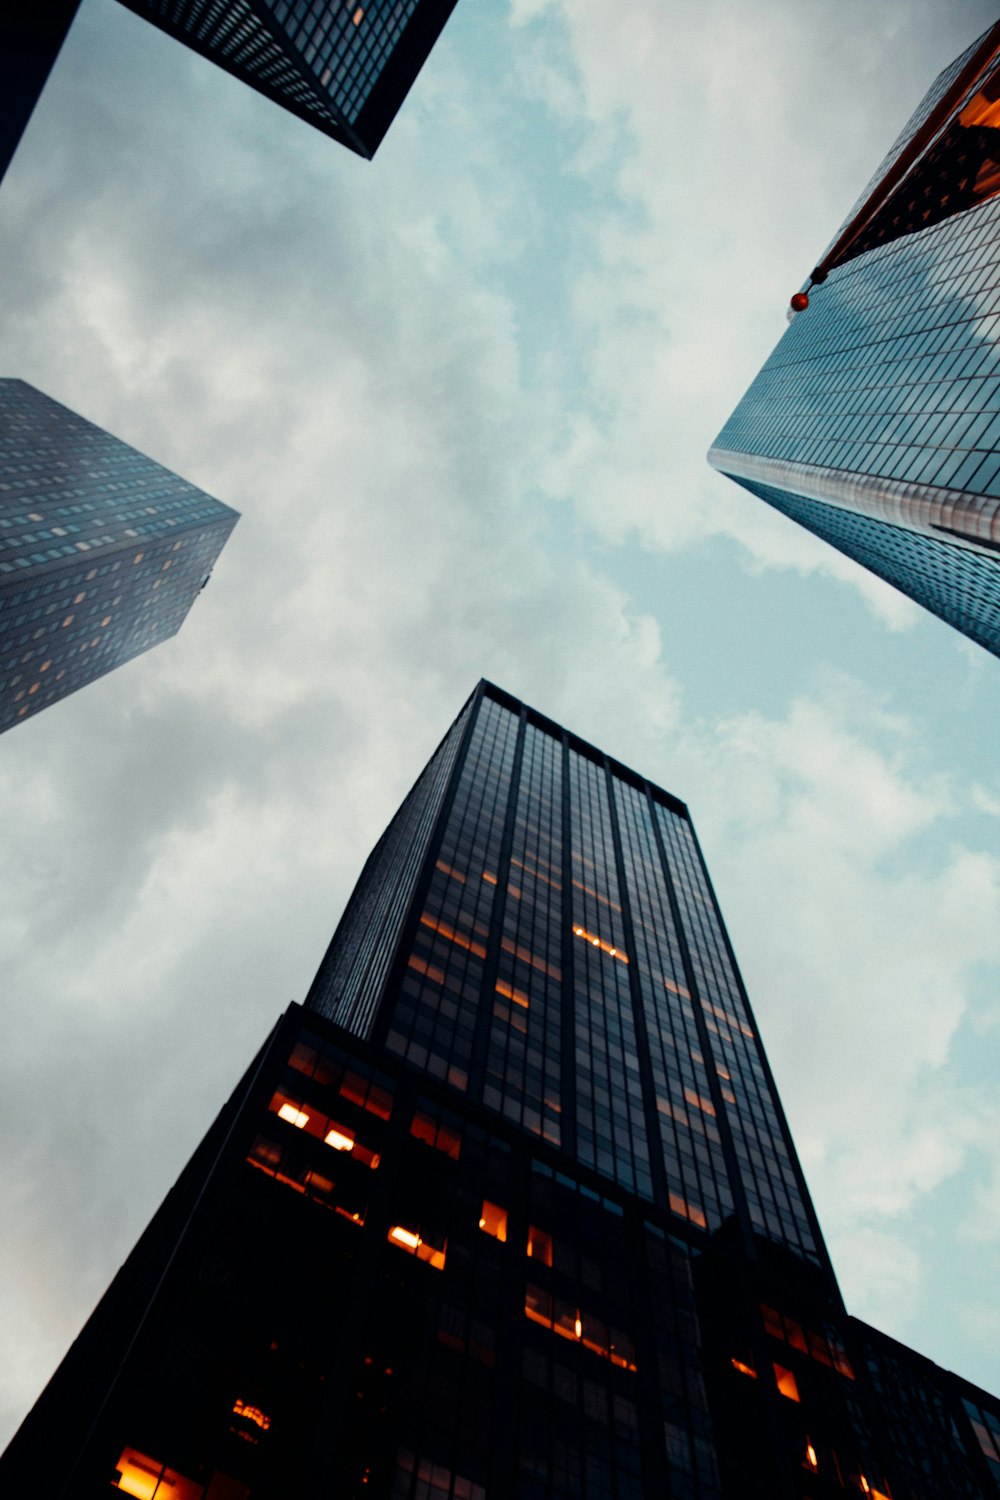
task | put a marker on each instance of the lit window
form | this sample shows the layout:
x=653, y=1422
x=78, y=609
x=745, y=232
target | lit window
x=356, y=18
x=787, y=1384
x=539, y=1245
x=811, y=1461
x=598, y=942
x=339, y=1140
x=414, y=1244
x=493, y=1220
x=296, y=1117
x=510, y=992
x=139, y=1475
x=744, y=1369
x=251, y=1414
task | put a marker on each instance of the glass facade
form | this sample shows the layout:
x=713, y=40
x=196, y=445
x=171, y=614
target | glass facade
x=508, y=1210
x=558, y=955
x=102, y=551
x=882, y=400
x=344, y=68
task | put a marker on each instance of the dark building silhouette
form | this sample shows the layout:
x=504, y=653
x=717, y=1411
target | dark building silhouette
x=876, y=421
x=102, y=551
x=509, y=1208
x=345, y=68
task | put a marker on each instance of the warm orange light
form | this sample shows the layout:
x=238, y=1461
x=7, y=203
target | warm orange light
x=811, y=1458
x=404, y=1237
x=865, y=1485
x=738, y=1364
x=357, y=16
x=454, y=937
x=252, y=1414
x=489, y=878
x=598, y=942
x=143, y=1477
x=688, y=1210
x=539, y=1245
x=448, y=870
x=510, y=992
x=787, y=1384
x=493, y=1221
x=578, y=1328
x=296, y=1117
x=339, y=1141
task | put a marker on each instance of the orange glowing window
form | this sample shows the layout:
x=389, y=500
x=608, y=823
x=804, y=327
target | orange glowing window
x=598, y=942
x=68, y=621
x=297, y=1117
x=410, y=1241
x=744, y=1369
x=688, y=1210
x=795, y=1336
x=453, y=937
x=45, y=666
x=80, y=597
x=339, y=1139
x=423, y=967
x=447, y=870
x=539, y=1245
x=512, y=993
x=105, y=621
x=699, y=1102
x=443, y=1139
x=493, y=1220
x=489, y=877
x=138, y=557
x=144, y=1477
x=787, y=1384
x=251, y=1414
x=676, y=989
x=811, y=1461
x=358, y=14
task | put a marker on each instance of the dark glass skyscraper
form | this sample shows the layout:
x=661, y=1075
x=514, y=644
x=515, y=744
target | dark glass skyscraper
x=509, y=1208
x=876, y=421
x=102, y=551
x=345, y=68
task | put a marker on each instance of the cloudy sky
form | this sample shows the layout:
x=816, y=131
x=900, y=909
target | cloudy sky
x=462, y=396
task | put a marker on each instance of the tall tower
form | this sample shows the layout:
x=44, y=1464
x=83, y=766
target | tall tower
x=876, y=421
x=509, y=1208
x=345, y=68
x=102, y=551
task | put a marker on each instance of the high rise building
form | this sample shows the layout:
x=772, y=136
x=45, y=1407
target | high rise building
x=509, y=1208
x=345, y=68
x=102, y=551
x=876, y=421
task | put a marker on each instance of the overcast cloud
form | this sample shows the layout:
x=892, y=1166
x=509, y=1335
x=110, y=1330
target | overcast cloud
x=462, y=396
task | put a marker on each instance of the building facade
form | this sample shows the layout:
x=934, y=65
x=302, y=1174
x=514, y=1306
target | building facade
x=102, y=551
x=509, y=1208
x=876, y=421
x=345, y=68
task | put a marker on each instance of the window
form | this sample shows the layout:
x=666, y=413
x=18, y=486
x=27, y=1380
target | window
x=147, y=1479
x=493, y=1221
x=787, y=1384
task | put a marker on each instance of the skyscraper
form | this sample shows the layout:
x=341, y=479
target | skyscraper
x=509, y=1208
x=876, y=421
x=102, y=551
x=345, y=68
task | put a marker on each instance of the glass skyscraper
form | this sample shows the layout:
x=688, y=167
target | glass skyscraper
x=345, y=68
x=876, y=421
x=509, y=1209
x=102, y=551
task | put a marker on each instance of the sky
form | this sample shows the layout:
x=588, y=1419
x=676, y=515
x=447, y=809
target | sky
x=461, y=396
